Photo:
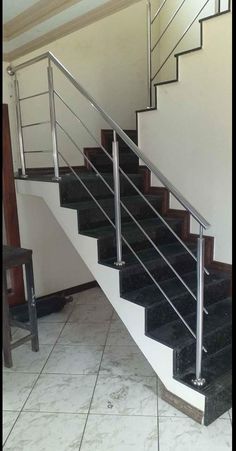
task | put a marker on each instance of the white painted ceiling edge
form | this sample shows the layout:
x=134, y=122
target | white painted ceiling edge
x=82, y=8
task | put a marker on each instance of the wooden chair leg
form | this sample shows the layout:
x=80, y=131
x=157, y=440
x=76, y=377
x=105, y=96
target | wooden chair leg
x=31, y=305
x=6, y=327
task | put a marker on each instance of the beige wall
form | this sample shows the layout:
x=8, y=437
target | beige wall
x=189, y=136
x=182, y=20
x=109, y=59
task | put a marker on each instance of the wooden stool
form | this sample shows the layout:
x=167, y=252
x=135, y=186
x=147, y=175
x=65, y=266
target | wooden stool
x=12, y=257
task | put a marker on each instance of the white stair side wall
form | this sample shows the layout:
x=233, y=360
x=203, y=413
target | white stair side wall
x=159, y=356
x=188, y=137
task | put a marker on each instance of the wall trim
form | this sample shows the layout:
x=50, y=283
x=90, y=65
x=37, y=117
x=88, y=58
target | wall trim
x=110, y=7
x=34, y=15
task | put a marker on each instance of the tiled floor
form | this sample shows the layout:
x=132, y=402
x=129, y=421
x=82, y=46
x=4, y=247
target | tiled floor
x=90, y=389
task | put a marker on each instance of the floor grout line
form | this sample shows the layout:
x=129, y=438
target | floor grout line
x=39, y=374
x=158, y=418
x=95, y=385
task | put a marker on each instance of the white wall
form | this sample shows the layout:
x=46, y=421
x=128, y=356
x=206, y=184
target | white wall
x=189, y=137
x=57, y=265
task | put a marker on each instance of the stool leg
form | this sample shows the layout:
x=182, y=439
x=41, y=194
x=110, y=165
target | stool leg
x=6, y=327
x=32, y=305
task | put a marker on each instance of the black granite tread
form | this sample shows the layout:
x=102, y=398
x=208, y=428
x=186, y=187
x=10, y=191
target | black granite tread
x=176, y=335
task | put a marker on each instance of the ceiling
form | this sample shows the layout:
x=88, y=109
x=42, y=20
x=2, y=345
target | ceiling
x=30, y=24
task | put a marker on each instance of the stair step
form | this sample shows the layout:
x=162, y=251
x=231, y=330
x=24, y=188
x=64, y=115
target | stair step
x=156, y=230
x=133, y=275
x=90, y=215
x=107, y=138
x=158, y=309
x=71, y=189
x=217, y=334
x=127, y=161
x=217, y=371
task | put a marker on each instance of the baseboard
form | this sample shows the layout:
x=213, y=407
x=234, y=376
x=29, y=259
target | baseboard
x=179, y=403
x=76, y=289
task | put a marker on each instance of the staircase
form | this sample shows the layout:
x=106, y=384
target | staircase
x=154, y=278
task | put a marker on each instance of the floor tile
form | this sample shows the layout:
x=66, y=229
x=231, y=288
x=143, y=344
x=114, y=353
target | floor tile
x=91, y=313
x=27, y=361
x=88, y=333
x=92, y=296
x=48, y=333
x=16, y=389
x=46, y=432
x=61, y=393
x=120, y=433
x=118, y=335
x=74, y=359
x=125, y=361
x=185, y=434
x=58, y=317
x=125, y=396
x=9, y=419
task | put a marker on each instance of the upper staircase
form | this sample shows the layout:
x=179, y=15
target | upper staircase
x=154, y=271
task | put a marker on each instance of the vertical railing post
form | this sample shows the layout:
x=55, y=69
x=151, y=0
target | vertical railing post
x=19, y=128
x=53, y=122
x=199, y=380
x=116, y=178
x=149, y=53
x=217, y=6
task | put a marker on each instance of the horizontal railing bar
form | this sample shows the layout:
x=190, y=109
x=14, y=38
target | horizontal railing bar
x=186, y=30
x=34, y=95
x=176, y=193
x=130, y=181
x=132, y=217
x=35, y=123
x=158, y=11
x=168, y=24
x=34, y=60
x=37, y=151
x=130, y=247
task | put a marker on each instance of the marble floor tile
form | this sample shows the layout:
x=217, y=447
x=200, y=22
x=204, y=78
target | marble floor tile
x=9, y=419
x=84, y=333
x=120, y=433
x=125, y=361
x=46, y=432
x=91, y=296
x=125, y=396
x=118, y=335
x=27, y=361
x=16, y=389
x=58, y=317
x=230, y=413
x=187, y=435
x=91, y=313
x=61, y=393
x=48, y=333
x=74, y=359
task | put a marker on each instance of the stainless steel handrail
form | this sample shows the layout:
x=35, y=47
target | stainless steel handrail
x=132, y=250
x=116, y=129
x=174, y=191
x=132, y=217
x=130, y=181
